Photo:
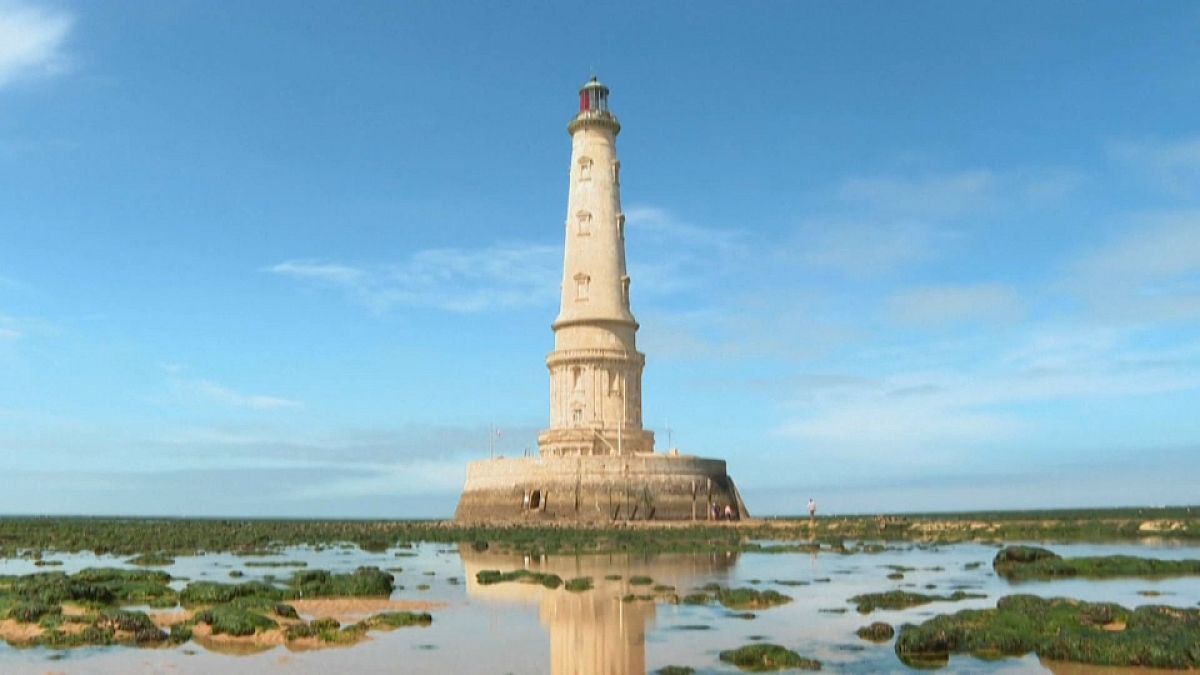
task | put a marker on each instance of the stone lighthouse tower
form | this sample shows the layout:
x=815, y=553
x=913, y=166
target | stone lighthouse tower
x=595, y=368
x=596, y=463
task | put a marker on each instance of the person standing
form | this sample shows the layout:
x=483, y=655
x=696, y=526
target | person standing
x=812, y=512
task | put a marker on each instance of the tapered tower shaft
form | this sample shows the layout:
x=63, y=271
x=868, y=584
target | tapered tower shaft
x=595, y=368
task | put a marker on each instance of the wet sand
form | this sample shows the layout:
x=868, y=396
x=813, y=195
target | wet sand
x=350, y=610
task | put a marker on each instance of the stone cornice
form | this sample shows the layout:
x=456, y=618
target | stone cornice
x=563, y=323
x=593, y=356
x=598, y=119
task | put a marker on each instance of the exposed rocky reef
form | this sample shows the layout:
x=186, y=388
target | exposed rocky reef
x=1031, y=562
x=1059, y=629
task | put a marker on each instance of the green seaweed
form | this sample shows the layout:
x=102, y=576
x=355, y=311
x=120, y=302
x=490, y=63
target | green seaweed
x=1030, y=562
x=764, y=657
x=877, y=632
x=488, y=577
x=390, y=620
x=579, y=584
x=232, y=620
x=362, y=582
x=750, y=598
x=1059, y=629
x=869, y=602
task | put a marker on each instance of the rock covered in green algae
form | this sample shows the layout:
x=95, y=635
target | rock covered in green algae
x=877, y=632
x=1059, y=629
x=764, y=657
x=363, y=582
x=215, y=593
x=750, y=598
x=236, y=621
x=869, y=602
x=1032, y=562
x=389, y=620
x=489, y=577
x=579, y=584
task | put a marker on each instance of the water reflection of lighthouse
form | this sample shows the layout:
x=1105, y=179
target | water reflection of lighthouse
x=594, y=632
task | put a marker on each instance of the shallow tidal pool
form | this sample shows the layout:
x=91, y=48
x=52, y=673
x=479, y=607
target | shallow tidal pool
x=517, y=627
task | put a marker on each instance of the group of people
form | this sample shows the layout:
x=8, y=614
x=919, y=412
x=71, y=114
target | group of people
x=717, y=513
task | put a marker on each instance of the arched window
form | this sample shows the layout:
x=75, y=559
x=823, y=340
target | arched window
x=583, y=221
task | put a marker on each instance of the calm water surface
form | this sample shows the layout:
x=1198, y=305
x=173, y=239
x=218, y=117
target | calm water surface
x=521, y=628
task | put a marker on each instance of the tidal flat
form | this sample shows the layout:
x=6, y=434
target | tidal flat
x=631, y=599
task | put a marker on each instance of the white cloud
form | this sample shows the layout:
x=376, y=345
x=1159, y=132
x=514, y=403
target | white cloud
x=933, y=196
x=420, y=477
x=1173, y=166
x=661, y=225
x=15, y=328
x=222, y=394
x=865, y=248
x=924, y=430
x=935, y=415
x=1150, y=272
x=337, y=275
x=31, y=41
x=451, y=279
x=939, y=306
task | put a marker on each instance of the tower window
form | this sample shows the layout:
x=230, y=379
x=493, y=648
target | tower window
x=582, y=281
x=621, y=226
x=577, y=379
x=625, y=289
x=616, y=172
x=583, y=221
x=585, y=168
x=577, y=417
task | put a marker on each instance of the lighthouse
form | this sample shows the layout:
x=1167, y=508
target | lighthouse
x=595, y=368
x=596, y=463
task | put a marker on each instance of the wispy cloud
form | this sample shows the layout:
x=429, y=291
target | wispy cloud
x=942, y=415
x=1172, y=165
x=223, y=394
x=1150, y=272
x=931, y=196
x=940, y=306
x=422, y=477
x=381, y=445
x=14, y=328
x=862, y=248
x=31, y=41
x=669, y=255
x=451, y=279
x=879, y=224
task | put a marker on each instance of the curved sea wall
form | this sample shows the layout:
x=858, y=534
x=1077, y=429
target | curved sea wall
x=596, y=489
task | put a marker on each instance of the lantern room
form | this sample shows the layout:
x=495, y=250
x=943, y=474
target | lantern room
x=593, y=97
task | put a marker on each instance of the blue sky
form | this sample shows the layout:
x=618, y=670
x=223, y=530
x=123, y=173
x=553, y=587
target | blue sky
x=294, y=259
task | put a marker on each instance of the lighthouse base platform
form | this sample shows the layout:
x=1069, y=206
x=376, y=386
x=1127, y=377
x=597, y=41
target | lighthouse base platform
x=597, y=489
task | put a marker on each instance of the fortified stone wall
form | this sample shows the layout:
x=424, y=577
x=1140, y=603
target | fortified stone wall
x=596, y=489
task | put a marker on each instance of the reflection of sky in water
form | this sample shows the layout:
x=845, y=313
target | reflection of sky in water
x=522, y=628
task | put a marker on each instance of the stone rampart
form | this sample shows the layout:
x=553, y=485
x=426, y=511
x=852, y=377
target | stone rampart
x=596, y=489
